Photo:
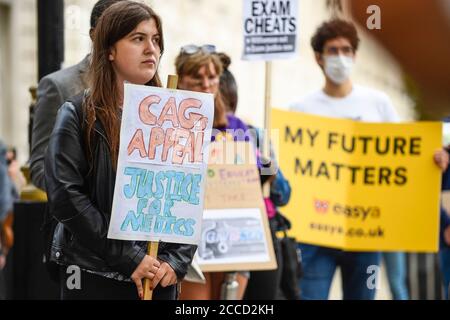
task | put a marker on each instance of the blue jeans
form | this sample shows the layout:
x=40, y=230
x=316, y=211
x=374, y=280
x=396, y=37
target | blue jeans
x=319, y=265
x=396, y=273
x=6, y=199
x=444, y=259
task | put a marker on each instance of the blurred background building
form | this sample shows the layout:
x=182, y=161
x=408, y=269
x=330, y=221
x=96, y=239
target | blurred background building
x=219, y=22
x=417, y=34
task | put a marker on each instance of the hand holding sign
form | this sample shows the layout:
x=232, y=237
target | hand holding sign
x=159, y=187
x=160, y=179
x=147, y=269
x=165, y=276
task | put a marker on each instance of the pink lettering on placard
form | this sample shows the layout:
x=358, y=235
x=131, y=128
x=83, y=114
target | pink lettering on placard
x=184, y=137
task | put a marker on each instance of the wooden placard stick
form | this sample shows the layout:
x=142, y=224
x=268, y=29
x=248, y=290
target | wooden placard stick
x=267, y=119
x=152, y=248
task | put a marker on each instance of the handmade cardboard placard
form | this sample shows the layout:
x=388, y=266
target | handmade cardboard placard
x=235, y=231
x=160, y=183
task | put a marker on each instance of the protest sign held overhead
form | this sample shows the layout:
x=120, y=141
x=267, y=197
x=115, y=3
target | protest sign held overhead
x=270, y=29
x=361, y=186
x=162, y=163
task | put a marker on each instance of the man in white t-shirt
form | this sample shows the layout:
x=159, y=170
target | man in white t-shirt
x=357, y=103
x=335, y=44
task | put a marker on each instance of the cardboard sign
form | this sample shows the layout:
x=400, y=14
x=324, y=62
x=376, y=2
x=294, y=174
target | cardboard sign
x=233, y=237
x=270, y=29
x=161, y=170
x=235, y=233
x=361, y=186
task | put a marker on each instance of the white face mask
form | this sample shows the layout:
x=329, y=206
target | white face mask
x=338, y=68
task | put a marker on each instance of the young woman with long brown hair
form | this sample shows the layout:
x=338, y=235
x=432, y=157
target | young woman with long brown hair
x=81, y=161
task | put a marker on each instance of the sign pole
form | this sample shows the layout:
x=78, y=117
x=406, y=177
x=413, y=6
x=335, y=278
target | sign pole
x=152, y=248
x=267, y=119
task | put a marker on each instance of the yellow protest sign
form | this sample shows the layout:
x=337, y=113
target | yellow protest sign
x=361, y=186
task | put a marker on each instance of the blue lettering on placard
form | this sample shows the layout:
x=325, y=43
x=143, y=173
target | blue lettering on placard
x=195, y=189
x=142, y=203
x=153, y=214
x=145, y=185
x=135, y=220
x=170, y=221
x=159, y=193
x=166, y=225
x=167, y=206
x=147, y=223
x=185, y=187
x=159, y=223
x=189, y=226
x=155, y=207
x=129, y=189
x=175, y=195
x=169, y=175
x=177, y=227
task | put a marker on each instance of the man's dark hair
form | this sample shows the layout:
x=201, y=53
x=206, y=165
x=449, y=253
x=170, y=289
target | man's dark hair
x=98, y=9
x=333, y=29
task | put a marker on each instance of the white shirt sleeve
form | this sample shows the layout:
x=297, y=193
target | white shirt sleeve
x=389, y=112
x=296, y=106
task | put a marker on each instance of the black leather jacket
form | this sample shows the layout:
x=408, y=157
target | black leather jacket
x=82, y=202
